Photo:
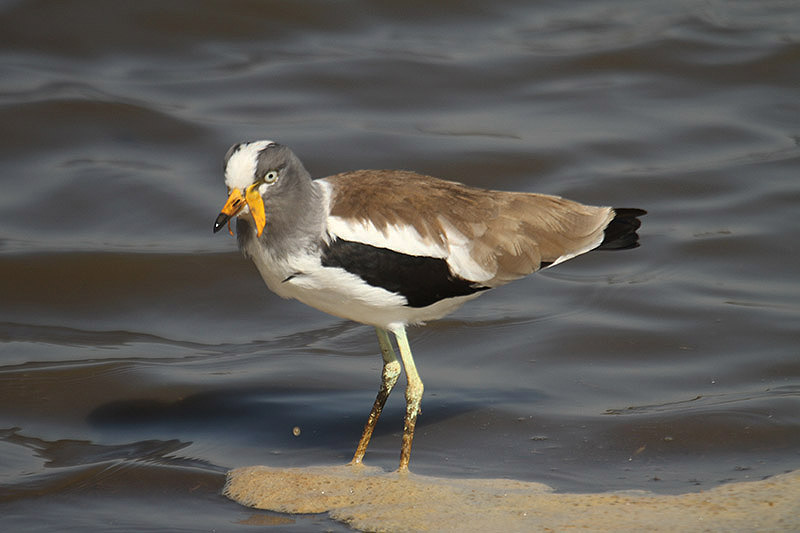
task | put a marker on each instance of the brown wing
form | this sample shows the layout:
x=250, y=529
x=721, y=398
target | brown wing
x=511, y=234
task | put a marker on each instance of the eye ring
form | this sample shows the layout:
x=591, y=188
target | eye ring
x=271, y=176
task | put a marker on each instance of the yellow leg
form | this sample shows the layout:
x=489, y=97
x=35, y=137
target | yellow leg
x=414, y=390
x=391, y=370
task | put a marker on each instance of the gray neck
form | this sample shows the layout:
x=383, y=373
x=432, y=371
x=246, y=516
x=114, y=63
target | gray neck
x=294, y=223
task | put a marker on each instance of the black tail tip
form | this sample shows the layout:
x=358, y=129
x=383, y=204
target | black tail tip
x=620, y=234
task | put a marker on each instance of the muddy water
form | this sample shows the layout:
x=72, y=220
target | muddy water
x=141, y=357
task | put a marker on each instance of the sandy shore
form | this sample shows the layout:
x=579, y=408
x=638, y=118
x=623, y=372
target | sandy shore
x=373, y=500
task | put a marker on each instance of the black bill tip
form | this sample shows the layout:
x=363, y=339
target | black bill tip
x=221, y=220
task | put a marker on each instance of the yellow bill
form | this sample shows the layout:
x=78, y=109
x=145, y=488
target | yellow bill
x=236, y=203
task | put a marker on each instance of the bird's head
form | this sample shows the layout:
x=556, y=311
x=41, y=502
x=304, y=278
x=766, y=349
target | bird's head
x=255, y=171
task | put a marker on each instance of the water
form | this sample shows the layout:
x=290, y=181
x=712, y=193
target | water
x=142, y=357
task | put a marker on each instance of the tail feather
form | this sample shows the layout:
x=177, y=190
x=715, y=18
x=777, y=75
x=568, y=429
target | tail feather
x=620, y=234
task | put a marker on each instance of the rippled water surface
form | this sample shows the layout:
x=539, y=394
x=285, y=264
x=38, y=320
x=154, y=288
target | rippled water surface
x=142, y=357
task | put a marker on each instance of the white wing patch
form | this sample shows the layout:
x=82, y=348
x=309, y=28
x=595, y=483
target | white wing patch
x=459, y=257
x=404, y=239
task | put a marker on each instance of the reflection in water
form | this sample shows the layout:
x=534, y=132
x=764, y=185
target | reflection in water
x=65, y=453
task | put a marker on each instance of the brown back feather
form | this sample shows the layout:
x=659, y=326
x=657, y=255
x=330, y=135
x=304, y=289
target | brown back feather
x=512, y=233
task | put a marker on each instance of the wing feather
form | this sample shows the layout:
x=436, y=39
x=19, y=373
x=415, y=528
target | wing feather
x=487, y=236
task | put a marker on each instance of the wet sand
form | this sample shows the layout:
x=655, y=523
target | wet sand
x=369, y=499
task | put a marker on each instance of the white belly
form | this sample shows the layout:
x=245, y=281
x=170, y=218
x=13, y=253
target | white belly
x=343, y=294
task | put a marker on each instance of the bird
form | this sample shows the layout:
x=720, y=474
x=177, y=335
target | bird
x=395, y=248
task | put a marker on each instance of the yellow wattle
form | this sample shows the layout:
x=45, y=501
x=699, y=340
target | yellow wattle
x=256, y=204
